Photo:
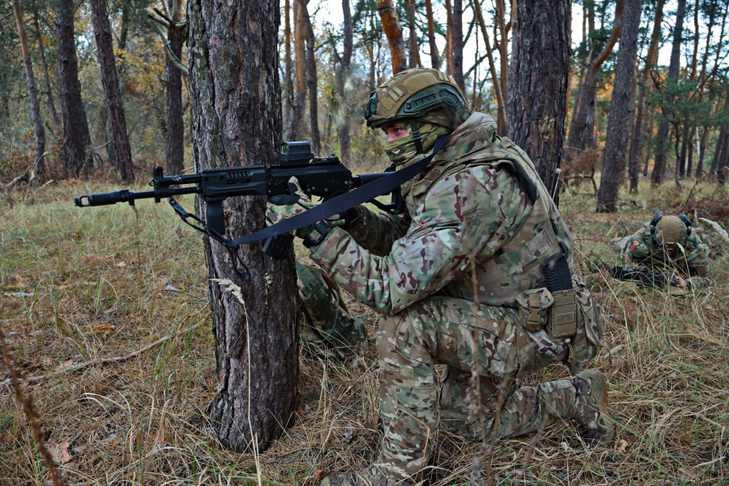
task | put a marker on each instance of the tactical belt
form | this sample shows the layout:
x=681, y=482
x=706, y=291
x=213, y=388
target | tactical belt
x=339, y=204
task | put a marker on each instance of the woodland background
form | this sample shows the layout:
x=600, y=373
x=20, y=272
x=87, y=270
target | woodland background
x=106, y=314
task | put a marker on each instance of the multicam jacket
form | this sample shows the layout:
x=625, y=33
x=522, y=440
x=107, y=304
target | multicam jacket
x=481, y=227
x=641, y=248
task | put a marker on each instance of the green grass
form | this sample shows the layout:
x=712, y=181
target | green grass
x=85, y=284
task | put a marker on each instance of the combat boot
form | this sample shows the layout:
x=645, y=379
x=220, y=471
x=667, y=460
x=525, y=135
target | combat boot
x=594, y=424
x=370, y=476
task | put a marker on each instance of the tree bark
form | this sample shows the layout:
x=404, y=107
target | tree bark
x=109, y=78
x=537, y=96
x=659, y=166
x=311, y=85
x=342, y=75
x=434, y=58
x=636, y=144
x=503, y=40
x=621, y=111
x=236, y=108
x=457, y=44
x=76, y=139
x=413, y=35
x=393, y=31
x=297, y=119
x=288, y=84
x=40, y=132
x=501, y=122
x=582, y=127
x=175, y=150
x=46, y=73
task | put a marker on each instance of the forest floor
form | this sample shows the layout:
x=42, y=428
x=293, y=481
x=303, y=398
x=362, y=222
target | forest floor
x=86, y=285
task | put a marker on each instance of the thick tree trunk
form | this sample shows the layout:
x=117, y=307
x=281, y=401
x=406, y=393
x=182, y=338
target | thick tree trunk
x=109, y=78
x=413, y=35
x=721, y=155
x=40, y=132
x=175, y=151
x=537, y=96
x=393, y=31
x=236, y=108
x=76, y=139
x=46, y=74
x=659, y=166
x=636, y=144
x=621, y=110
x=311, y=86
x=297, y=117
x=434, y=58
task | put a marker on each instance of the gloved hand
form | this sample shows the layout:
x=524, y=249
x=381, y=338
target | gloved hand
x=285, y=206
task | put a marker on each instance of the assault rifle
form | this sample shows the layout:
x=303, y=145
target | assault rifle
x=324, y=177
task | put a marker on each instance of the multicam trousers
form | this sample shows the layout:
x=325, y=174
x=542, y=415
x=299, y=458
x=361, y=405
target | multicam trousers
x=471, y=340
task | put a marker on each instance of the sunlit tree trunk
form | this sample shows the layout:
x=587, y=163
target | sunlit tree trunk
x=495, y=81
x=434, y=58
x=297, y=116
x=413, y=35
x=456, y=45
x=393, y=31
x=537, y=96
x=288, y=84
x=342, y=75
x=621, y=110
x=46, y=73
x=311, y=85
x=236, y=107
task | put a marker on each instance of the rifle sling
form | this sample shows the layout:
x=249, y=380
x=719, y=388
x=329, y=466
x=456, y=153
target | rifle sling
x=339, y=204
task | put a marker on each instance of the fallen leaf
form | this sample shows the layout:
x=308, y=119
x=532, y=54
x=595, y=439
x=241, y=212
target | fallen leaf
x=121, y=264
x=621, y=446
x=61, y=453
x=102, y=328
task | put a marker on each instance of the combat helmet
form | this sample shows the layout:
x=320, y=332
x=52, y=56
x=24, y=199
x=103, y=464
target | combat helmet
x=670, y=230
x=413, y=93
x=427, y=101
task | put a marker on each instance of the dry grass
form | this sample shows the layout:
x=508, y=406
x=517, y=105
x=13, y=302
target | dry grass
x=80, y=285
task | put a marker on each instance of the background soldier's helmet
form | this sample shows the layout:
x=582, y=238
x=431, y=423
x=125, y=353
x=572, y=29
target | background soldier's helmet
x=412, y=94
x=671, y=230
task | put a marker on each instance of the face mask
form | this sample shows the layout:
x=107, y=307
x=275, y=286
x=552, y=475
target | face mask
x=421, y=139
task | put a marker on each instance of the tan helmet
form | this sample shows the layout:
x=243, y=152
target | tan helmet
x=671, y=230
x=411, y=94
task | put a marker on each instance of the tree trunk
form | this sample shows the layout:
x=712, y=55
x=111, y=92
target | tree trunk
x=434, y=58
x=236, y=108
x=288, y=85
x=638, y=129
x=537, y=96
x=456, y=45
x=582, y=127
x=311, y=85
x=391, y=26
x=76, y=139
x=105, y=54
x=342, y=75
x=503, y=41
x=659, y=166
x=413, y=35
x=40, y=133
x=702, y=152
x=621, y=110
x=721, y=155
x=501, y=122
x=175, y=153
x=297, y=119
x=46, y=73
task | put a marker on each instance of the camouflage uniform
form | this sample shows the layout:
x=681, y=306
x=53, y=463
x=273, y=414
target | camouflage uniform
x=691, y=259
x=328, y=328
x=458, y=287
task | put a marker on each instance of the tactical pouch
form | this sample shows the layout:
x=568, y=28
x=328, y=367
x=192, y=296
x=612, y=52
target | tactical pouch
x=537, y=302
x=562, y=321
